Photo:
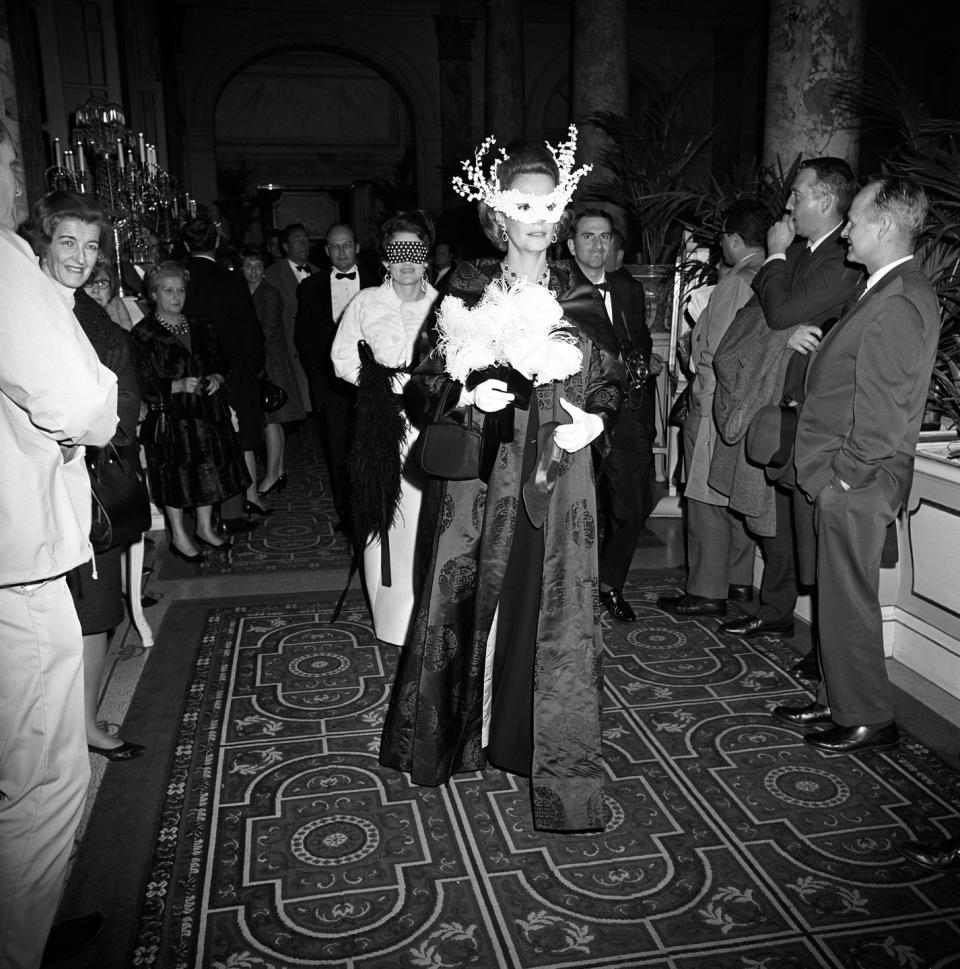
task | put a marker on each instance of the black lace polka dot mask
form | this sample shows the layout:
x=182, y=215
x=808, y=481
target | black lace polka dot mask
x=407, y=252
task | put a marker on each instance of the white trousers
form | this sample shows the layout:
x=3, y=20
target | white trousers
x=44, y=766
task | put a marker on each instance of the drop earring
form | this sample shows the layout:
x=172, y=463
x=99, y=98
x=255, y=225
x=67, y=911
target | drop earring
x=423, y=282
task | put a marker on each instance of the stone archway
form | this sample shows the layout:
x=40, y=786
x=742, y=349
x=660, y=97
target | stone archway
x=205, y=81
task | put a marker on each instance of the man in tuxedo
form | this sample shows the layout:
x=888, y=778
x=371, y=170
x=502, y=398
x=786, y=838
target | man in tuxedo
x=286, y=274
x=321, y=300
x=443, y=262
x=720, y=552
x=803, y=284
x=856, y=436
x=624, y=479
x=223, y=299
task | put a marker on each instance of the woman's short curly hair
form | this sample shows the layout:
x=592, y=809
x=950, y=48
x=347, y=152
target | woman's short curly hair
x=248, y=252
x=524, y=160
x=57, y=207
x=415, y=221
x=157, y=272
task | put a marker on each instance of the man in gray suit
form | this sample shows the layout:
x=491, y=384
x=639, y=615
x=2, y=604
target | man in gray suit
x=287, y=274
x=866, y=390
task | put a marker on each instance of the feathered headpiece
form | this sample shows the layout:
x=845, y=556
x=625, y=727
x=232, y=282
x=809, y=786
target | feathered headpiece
x=480, y=187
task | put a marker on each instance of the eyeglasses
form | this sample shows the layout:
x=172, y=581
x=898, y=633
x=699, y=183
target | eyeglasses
x=97, y=284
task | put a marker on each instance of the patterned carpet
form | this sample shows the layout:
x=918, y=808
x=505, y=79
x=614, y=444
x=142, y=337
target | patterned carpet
x=299, y=535
x=728, y=842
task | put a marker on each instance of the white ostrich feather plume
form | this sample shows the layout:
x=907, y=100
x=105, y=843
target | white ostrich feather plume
x=520, y=325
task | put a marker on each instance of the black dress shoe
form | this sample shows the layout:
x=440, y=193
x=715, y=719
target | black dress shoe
x=691, y=605
x=848, y=740
x=740, y=593
x=751, y=626
x=808, y=667
x=234, y=526
x=617, y=606
x=251, y=508
x=935, y=855
x=213, y=546
x=126, y=751
x=69, y=936
x=192, y=559
x=812, y=715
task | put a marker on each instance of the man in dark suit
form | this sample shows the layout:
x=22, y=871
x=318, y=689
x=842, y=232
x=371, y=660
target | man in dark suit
x=624, y=479
x=286, y=274
x=223, y=299
x=443, y=262
x=858, y=427
x=804, y=283
x=321, y=300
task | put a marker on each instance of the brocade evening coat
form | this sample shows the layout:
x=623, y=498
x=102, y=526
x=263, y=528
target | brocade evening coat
x=433, y=724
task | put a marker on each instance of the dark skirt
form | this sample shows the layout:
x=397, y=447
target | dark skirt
x=198, y=463
x=99, y=601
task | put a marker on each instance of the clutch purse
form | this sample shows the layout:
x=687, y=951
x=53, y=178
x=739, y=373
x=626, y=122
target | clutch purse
x=449, y=446
x=120, y=504
x=272, y=396
x=680, y=408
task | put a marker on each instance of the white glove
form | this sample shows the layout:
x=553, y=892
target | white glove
x=585, y=427
x=491, y=396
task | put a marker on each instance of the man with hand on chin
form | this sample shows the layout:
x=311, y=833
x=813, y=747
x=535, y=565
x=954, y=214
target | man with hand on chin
x=857, y=433
x=623, y=483
x=803, y=285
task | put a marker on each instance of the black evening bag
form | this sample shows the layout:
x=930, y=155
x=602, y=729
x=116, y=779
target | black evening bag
x=120, y=504
x=272, y=396
x=449, y=446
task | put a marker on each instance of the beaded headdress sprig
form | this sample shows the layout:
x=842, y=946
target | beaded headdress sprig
x=481, y=187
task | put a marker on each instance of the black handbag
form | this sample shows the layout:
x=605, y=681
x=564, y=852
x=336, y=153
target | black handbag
x=120, y=503
x=680, y=408
x=153, y=428
x=272, y=396
x=449, y=447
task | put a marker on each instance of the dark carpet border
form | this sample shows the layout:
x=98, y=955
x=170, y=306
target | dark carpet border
x=113, y=861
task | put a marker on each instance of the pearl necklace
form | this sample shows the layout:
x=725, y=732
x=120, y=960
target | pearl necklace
x=513, y=277
x=177, y=329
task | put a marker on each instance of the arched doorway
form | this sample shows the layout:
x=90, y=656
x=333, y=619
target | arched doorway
x=332, y=132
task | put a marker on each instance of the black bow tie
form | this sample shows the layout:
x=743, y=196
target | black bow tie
x=302, y=269
x=603, y=287
x=352, y=275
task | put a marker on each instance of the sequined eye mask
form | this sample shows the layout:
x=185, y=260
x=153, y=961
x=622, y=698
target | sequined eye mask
x=407, y=252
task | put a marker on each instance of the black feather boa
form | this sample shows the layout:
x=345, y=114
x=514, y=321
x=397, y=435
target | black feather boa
x=374, y=461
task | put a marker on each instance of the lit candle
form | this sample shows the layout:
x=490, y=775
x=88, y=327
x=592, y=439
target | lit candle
x=58, y=158
x=83, y=167
x=68, y=160
x=140, y=145
x=120, y=163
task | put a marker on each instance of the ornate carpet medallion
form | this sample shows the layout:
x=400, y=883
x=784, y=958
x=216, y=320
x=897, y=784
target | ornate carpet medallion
x=728, y=841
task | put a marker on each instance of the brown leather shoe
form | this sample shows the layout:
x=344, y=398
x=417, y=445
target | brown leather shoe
x=849, y=740
x=691, y=605
x=811, y=715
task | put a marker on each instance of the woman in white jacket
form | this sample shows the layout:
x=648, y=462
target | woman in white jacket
x=382, y=323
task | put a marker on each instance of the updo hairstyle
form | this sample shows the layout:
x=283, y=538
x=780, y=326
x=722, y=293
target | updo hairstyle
x=523, y=160
x=415, y=221
x=157, y=272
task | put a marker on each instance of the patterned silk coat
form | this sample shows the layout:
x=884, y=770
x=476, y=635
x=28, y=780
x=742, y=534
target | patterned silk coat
x=433, y=725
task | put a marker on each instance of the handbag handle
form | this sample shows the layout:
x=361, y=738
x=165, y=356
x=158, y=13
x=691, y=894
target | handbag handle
x=442, y=405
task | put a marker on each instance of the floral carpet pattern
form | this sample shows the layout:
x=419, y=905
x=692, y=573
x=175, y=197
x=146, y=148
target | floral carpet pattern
x=300, y=534
x=728, y=841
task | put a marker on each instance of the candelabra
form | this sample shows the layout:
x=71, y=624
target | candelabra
x=118, y=167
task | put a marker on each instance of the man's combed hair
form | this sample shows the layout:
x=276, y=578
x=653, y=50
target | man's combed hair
x=288, y=230
x=200, y=235
x=904, y=201
x=750, y=219
x=835, y=176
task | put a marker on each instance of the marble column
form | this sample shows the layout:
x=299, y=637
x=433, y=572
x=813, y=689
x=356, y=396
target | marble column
x=504, y=84
x=601, y=68
x=454, y=66
x=812, y=44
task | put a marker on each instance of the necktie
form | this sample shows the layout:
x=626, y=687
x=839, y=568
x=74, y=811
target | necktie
x=352, y=275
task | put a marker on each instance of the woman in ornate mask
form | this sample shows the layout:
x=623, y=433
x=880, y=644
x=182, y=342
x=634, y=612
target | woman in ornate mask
x=503, y=661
